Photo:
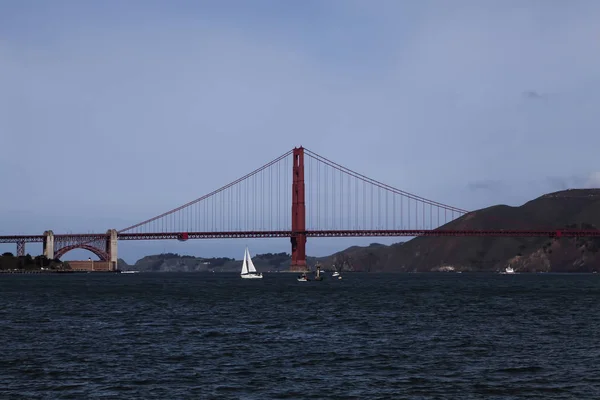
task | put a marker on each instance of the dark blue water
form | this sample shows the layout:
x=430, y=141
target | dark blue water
x=368, y=336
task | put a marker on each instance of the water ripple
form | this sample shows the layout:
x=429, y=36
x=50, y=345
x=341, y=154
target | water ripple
x=425, y=336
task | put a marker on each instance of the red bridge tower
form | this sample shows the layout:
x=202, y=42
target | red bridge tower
x=298, y=238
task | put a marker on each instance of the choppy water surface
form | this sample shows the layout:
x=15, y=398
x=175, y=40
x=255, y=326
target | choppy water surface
x=368, y=336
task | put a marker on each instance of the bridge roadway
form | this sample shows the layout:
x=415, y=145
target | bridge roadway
x=83, y=237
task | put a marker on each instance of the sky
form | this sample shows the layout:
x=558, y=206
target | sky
x=112, y=112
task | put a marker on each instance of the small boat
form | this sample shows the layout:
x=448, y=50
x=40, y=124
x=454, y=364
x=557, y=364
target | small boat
x=508, y=270
x=335, y=274
x=303, y=278
x=130, y=272
x=248, y=268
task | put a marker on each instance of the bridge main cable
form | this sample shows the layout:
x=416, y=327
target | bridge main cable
x=256, y=171
x=381, y=185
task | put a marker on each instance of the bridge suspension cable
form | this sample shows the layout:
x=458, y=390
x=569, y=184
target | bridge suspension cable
x=253, y=202
x=336, y=197
x=339, y=198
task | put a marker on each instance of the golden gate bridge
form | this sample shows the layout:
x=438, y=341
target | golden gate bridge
x=299, y=195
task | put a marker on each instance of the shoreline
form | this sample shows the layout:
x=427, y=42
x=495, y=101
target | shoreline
x=37, y=271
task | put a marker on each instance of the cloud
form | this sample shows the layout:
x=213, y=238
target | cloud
x=563, y=183
x=593, y=180
x=489, y=185
x=580, y=181
x=532, y=94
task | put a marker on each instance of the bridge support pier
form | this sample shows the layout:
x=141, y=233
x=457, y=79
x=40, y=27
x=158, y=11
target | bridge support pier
x=111, y=248
x=48, y=245
x=20, y=248
x=298, y=253
x=298, y=238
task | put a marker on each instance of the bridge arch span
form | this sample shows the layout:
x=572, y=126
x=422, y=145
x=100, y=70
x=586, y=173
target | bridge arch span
x=102, y=255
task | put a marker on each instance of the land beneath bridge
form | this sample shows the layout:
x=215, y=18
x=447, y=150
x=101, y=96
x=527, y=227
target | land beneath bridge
x=11, y=264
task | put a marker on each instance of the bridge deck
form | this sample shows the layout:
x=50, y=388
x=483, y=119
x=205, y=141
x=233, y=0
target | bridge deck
x=329, y=233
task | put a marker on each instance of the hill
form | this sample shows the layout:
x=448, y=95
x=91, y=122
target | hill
x=355, y=258
x=576, y=208
x=170, y=262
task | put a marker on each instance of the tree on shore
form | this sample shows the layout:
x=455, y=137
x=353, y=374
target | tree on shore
x=8, y=261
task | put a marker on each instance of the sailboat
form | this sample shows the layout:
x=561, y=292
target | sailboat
x=248, y=269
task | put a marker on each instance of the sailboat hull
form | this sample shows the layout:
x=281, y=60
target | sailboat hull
x=252, y=276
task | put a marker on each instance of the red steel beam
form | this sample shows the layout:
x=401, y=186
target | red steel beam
x=332, y=233
x=22, y=238
x=466, y=233
x=361, y=233
x=205, y=235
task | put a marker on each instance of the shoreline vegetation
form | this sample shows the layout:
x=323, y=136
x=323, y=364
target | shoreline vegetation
x=10, y=263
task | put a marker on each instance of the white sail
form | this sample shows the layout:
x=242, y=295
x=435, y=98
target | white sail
x=244, y=264
x=248, y=268
x=251, y=267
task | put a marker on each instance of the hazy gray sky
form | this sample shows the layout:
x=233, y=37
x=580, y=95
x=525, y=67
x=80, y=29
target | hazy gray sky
x=112, y=112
